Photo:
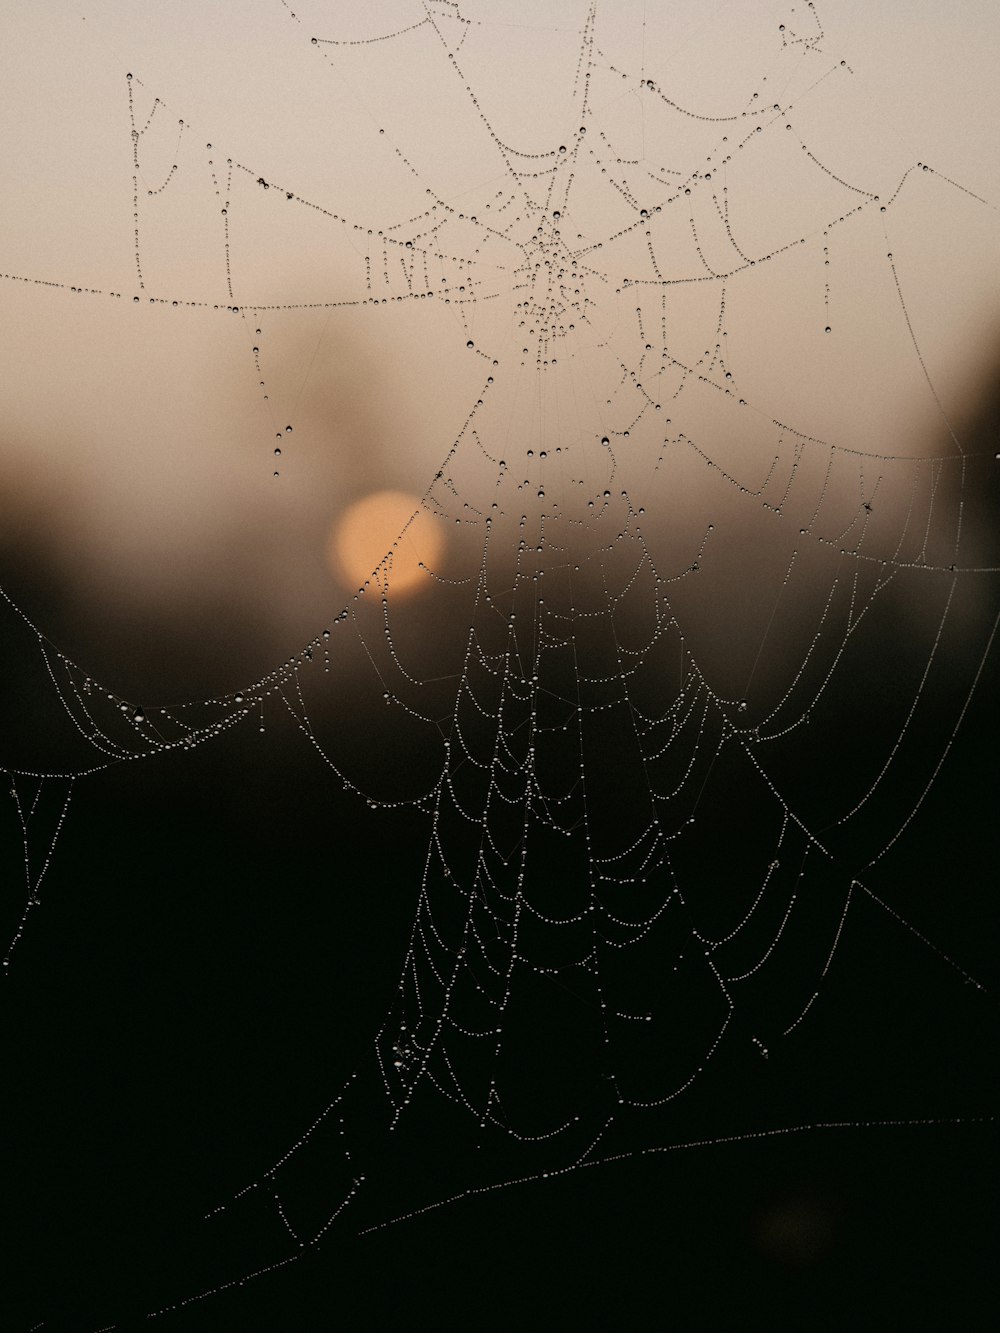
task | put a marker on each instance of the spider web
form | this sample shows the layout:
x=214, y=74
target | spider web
x=640, y=716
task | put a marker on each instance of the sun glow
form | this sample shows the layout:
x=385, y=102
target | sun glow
x=385, y=525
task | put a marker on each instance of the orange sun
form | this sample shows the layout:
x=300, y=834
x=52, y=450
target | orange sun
x=385, y=522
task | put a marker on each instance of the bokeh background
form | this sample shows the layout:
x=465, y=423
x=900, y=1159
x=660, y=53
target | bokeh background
x=220, y=928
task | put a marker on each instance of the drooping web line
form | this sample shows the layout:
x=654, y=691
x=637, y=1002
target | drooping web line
x=662, y=594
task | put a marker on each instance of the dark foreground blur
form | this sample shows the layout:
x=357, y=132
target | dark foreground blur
x=219, y=937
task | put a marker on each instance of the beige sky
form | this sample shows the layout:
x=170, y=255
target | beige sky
x=138, y=447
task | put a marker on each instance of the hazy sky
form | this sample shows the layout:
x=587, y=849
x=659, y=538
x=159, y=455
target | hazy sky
x=136, y=438
x=262, y=266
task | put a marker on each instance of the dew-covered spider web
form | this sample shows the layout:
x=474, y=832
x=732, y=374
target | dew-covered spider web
x=499, y=605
